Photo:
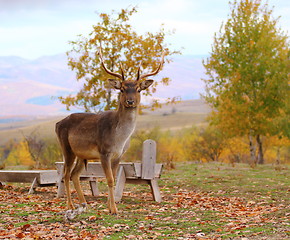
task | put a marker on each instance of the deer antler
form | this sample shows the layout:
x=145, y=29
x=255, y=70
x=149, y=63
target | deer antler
x=107, y=70
x=152, y=73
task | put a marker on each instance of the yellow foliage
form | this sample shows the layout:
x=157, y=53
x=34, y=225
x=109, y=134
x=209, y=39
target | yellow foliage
x=20, y=156
x=277, y=149
x=170, y=150
x=236, y=150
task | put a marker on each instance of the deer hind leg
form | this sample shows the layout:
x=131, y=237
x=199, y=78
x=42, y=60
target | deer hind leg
x=106, y=164
x=68, y=164
x=75, y=176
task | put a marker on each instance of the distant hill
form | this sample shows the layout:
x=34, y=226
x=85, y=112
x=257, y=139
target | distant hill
x=30, y=87
x=173, y=117
x=27, y=87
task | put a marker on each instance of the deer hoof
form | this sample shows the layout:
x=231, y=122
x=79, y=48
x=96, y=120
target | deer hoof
x=71, y=207
x=114, y=212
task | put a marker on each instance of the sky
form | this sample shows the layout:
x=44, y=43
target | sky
x=34, y=28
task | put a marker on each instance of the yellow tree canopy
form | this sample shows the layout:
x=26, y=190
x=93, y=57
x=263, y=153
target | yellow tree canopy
x=20, y=156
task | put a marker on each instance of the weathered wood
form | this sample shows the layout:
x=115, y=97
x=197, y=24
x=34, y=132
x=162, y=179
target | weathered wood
x=27, y=176
x=138, y=169
x=94, y=188
x=36, y=177
x=90, y=174
x=120, y=184
x=148, y=159
x=60, y=187
x=94, y=169
x=155, y=190
x=33, y=185
x=129, y=169
x=147, y=172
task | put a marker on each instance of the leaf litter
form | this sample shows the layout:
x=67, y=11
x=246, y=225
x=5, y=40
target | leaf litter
x=184, y=214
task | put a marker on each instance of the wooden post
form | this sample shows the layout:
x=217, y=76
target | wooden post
x=94, y=188
x=148, y=159
x=60, y=187
x=155, y=190
x=60, y=183
x=33, y=186
x=120, y=184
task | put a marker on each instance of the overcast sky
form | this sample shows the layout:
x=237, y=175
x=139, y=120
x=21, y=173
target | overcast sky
x=34, y=28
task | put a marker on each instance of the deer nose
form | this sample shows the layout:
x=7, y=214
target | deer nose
x=130, y=102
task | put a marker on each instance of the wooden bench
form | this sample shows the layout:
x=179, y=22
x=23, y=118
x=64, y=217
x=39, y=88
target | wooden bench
x=37, y=178
x=146, y=172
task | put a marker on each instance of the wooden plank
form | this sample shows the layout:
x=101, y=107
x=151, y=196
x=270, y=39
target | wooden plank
x=137, y=181
x=95, y=169
x=33, y=185
x=120, y=184
x=138, y=169
x=43, y=176
x=132, y=170
x=148, y=159
x=158, y=170
x=18, y=176
x=155, y=190
x=94, y=188
x=129, y=170
x=48, y=177
x=60, y=188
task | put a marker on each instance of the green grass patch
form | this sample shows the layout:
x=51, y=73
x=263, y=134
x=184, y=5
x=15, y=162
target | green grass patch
x=213, y=200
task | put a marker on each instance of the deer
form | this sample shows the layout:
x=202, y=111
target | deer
x=103, y=135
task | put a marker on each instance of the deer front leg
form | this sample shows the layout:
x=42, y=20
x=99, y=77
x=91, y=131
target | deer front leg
x=106, y=164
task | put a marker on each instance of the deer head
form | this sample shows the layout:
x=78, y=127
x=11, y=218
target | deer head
x=130, y=89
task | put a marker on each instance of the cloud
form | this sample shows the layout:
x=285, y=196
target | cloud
x=42, y=27
x=37, y=40
x=32, y=5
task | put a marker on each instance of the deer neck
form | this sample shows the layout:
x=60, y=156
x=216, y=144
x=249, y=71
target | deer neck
x=127, y=115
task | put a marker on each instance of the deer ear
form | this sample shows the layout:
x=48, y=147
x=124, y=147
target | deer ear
x=145, y=84
x=115, y=83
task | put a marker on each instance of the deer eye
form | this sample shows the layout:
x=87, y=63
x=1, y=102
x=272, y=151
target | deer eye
x=122, y=90
x=138, y=90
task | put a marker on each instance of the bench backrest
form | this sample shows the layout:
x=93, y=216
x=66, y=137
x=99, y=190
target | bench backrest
x=148, y=159
x=147, y=170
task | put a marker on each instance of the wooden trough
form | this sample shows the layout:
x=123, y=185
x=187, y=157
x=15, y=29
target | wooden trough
x=145, y=172
x=37, y=178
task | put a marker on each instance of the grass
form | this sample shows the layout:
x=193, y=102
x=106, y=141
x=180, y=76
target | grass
x=206, y=201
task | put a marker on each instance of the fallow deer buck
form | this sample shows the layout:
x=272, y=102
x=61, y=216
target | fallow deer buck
x=104, y=135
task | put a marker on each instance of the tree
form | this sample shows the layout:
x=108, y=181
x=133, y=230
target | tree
x=248, y=74
x=20, y=156
x=170, y=149
x=121, y=46
x=35, y=146
x=204, y=144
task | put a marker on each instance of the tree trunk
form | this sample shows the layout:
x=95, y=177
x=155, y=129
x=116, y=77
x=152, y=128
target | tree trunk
x=260, y=150
x=252, y=151
x=278, y=157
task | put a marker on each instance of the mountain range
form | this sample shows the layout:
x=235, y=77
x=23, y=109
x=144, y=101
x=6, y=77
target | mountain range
x=31, y=87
